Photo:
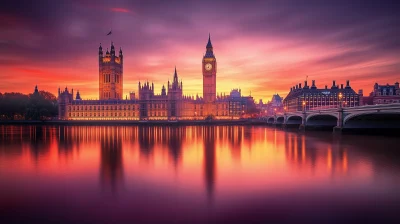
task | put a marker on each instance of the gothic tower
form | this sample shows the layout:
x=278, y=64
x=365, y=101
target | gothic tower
x=110, y=74
x=209, y=77
x=174, y=97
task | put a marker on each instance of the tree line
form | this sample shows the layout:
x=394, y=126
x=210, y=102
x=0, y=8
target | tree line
x=40, y=105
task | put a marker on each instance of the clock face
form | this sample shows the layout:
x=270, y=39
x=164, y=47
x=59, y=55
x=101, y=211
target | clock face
x=208, y=66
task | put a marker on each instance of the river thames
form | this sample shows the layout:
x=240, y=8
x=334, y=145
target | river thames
x=195, y=174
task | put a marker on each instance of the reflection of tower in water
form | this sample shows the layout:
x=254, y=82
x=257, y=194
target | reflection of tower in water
x=151, y=138
x=111, y=167
x=175, y=142
x=146, y=140
x=209, y=159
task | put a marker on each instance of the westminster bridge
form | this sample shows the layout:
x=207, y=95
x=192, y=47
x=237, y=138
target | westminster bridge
x=383, y=116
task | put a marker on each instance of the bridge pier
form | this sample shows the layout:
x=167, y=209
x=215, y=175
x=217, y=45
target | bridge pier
x=339, y=128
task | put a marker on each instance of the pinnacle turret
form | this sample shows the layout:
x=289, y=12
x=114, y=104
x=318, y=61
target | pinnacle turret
x=175, y=76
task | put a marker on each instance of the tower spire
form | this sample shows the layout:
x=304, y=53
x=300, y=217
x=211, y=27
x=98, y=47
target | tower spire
x=209, y=45
x=175, y=76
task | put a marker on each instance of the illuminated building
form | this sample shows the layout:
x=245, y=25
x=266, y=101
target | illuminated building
x=312, y=98
x=110, y=74
x=170, y=104
x=383, y=94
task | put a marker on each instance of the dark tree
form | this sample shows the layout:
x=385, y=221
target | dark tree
x=36, y=106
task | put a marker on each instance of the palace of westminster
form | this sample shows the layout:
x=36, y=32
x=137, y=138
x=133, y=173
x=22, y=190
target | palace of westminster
x=170, y=104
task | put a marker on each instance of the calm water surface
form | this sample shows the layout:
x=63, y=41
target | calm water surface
x=103, y=174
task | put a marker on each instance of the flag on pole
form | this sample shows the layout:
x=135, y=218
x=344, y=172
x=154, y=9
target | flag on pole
x=109, y=33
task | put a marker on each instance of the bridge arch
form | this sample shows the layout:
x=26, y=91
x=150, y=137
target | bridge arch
x=322, y=120
x=322, y=115
x=280, y=120
x=373, y=119
x=294, y=119
x=270, y=120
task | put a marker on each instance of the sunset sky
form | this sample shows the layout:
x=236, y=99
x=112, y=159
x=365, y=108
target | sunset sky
x=261, y=46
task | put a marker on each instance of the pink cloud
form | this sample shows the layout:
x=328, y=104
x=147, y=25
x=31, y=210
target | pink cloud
x=124, y=10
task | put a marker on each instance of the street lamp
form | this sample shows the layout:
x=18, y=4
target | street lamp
x=340, y=99
x=304, y=105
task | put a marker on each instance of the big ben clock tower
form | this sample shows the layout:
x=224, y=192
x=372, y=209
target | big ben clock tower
x=209, y=77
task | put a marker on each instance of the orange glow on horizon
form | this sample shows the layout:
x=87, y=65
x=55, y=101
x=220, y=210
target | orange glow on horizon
x=262, y=74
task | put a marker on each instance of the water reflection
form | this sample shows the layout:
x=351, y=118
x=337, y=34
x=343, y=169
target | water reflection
x=209, y=159
x=111, y=165
x=205, y=166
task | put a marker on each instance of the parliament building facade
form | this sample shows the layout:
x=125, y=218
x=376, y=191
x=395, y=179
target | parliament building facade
x=170, y=104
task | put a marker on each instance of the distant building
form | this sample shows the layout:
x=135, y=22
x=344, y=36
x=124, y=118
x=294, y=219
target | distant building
x=381, y=94
x=275, y=105
x=385, y=94
x=271, y=107
x=365, y=100
x=312, y=98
